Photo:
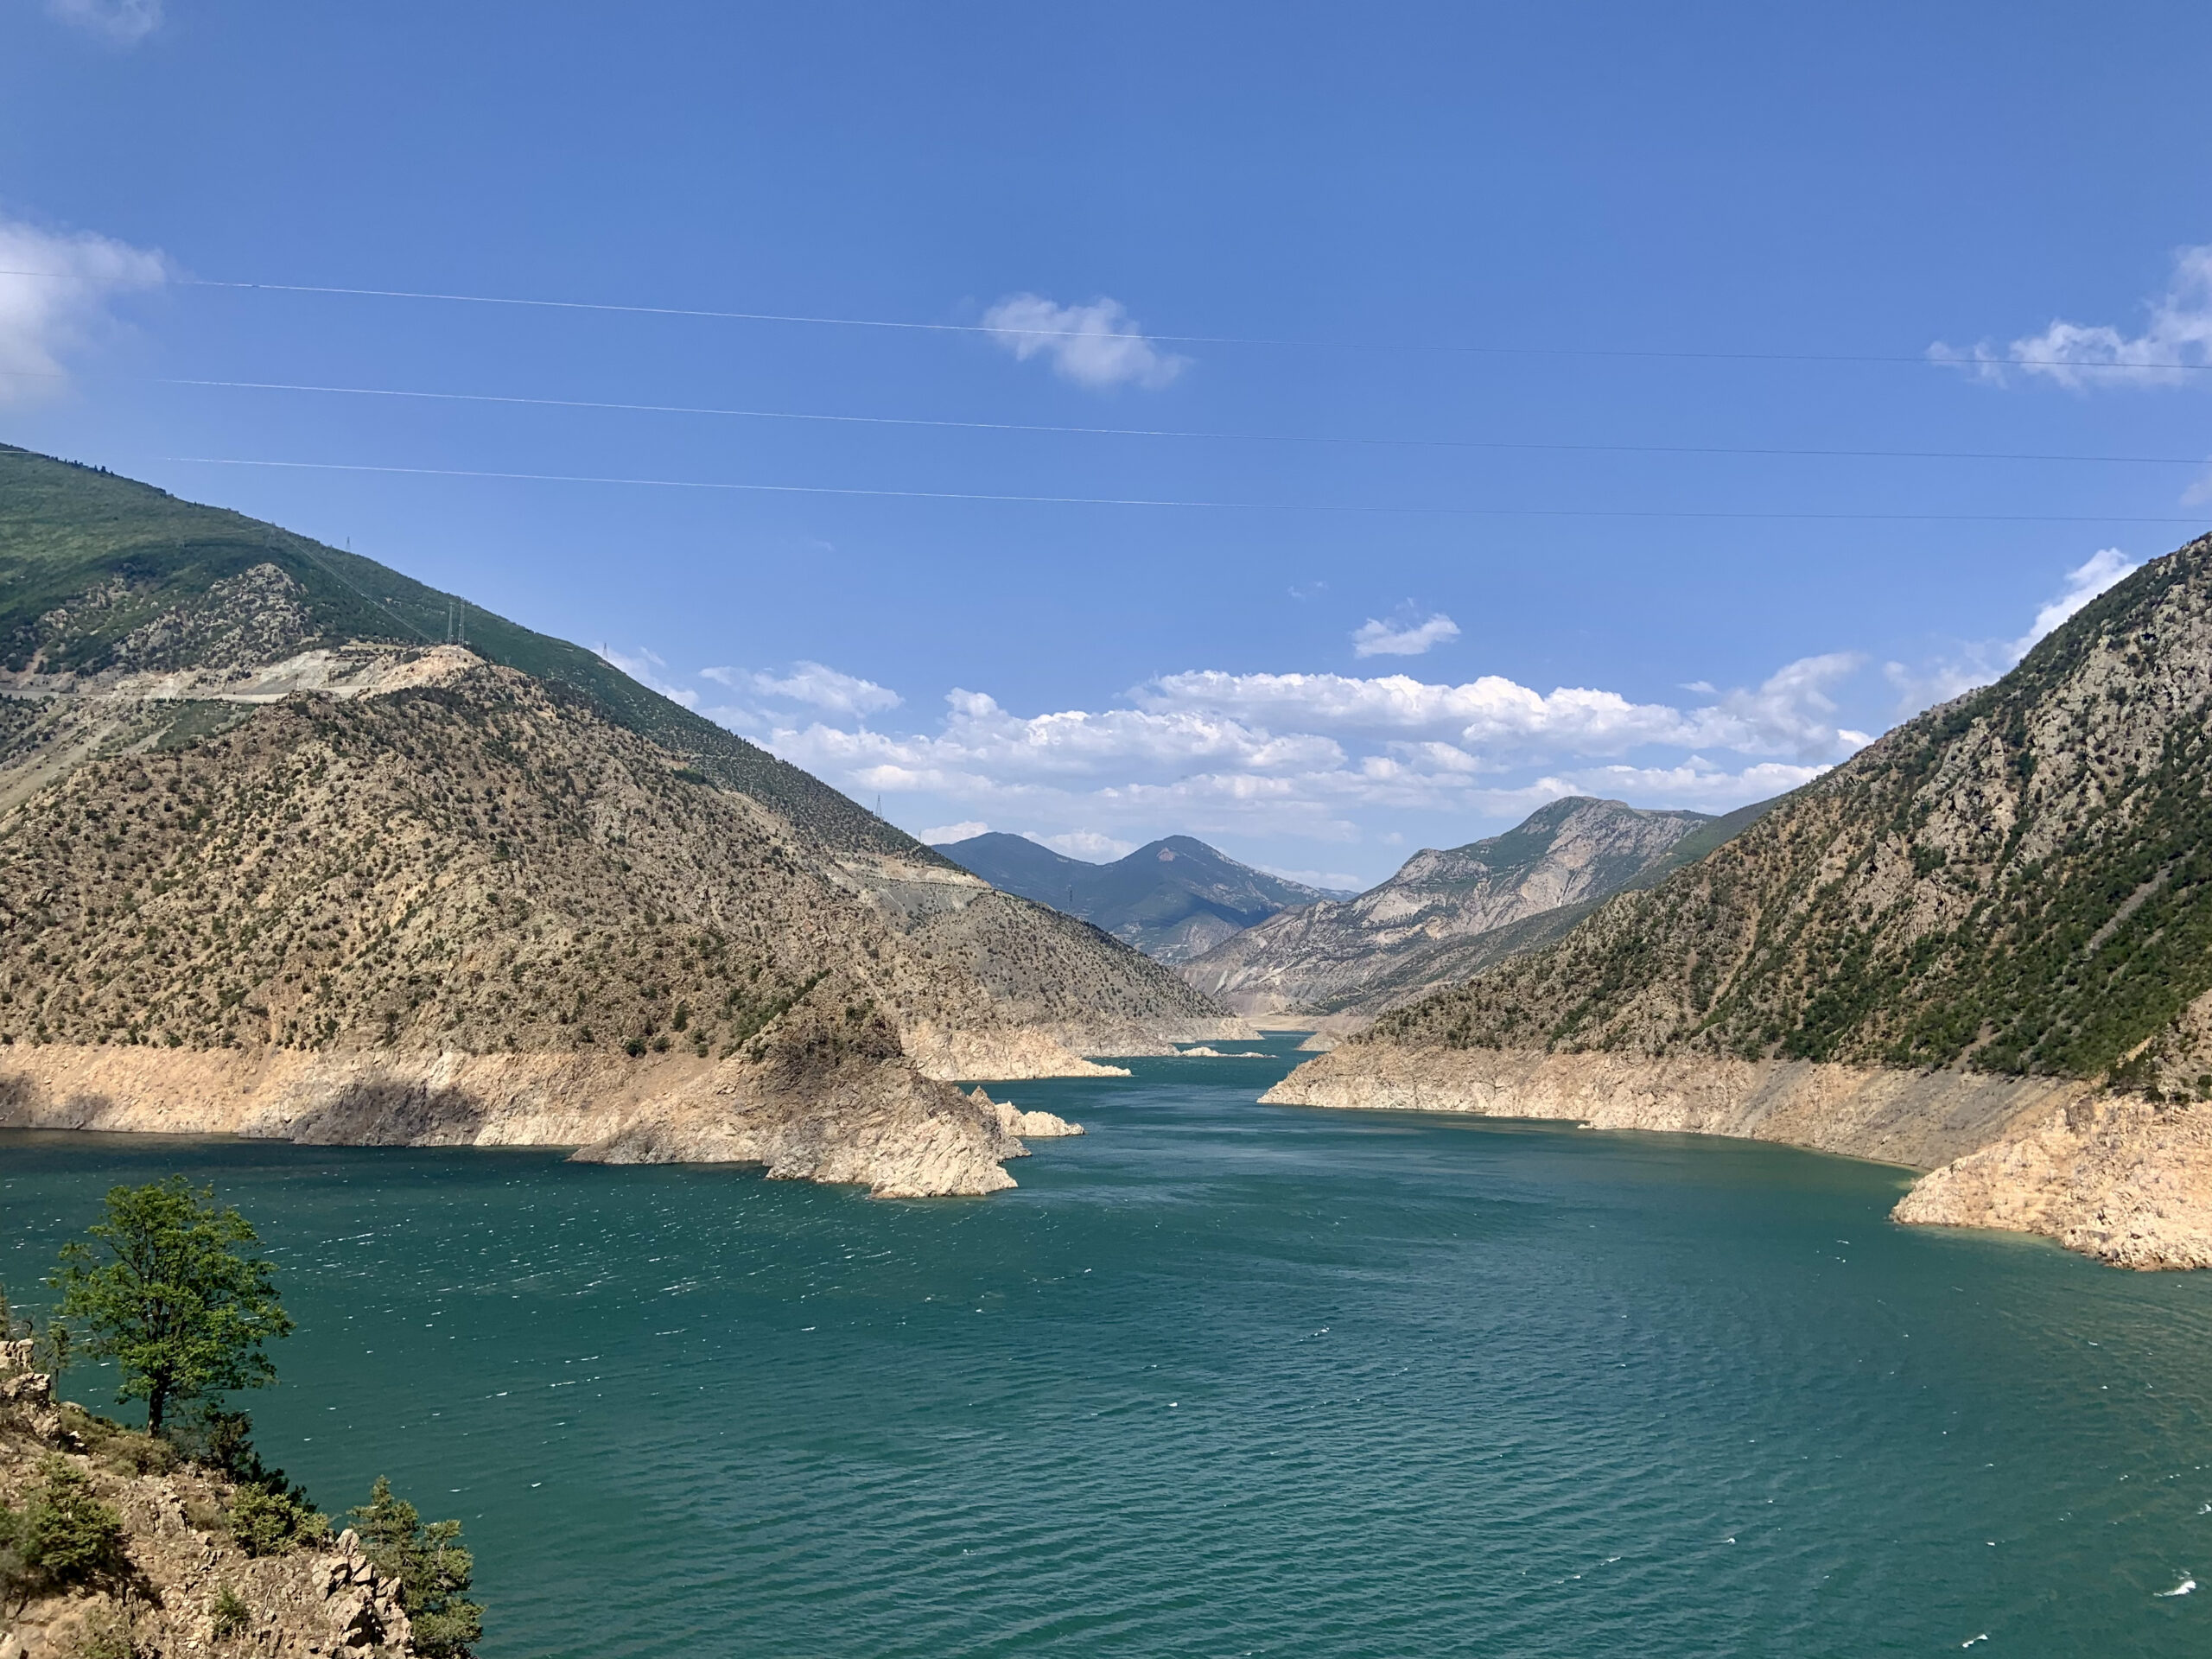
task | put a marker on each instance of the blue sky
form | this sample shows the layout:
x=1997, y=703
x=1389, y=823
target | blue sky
x=1540, y=353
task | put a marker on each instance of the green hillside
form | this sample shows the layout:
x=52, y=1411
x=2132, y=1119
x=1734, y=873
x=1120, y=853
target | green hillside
x=88, y=558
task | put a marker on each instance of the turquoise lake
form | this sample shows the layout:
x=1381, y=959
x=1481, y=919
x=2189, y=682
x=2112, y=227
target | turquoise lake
x=1224, y=1379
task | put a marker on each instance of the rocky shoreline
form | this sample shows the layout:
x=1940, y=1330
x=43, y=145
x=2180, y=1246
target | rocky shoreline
x=868, y=1118
x=2115, y=1177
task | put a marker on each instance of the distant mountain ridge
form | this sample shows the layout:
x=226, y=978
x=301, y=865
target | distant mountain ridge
x=1172, y=898
x=1447, y=915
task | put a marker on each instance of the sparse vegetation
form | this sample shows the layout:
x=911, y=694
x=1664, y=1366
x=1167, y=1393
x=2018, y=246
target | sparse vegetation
x=484, y=862
x=61, y=1538
x=2017, y=881
x=267, y=1520
x=228, y=1615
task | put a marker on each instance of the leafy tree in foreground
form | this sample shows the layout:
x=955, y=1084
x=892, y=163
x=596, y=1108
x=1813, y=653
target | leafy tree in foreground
x=166, y=1289
x=433, y=1568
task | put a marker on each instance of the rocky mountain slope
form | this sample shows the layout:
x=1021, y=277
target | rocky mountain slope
x=180, y=1582
x=2017, y=883
x=391, y=890
x=1446, y=916
x=1172, y=899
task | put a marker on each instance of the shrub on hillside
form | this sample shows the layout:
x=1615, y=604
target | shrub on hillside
x=62, y=1537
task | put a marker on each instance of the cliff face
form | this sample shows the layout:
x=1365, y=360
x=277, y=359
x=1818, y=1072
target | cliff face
x=395, y=858
x=178, y=1563
x=1444, y=916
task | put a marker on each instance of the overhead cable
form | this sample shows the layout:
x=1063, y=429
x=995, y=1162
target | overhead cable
x=832, y=418
x=997, y=332
x=1150, y=502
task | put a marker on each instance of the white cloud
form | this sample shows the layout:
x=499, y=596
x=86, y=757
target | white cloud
x=1696, y=783
x=124, y=21
x=2176, y=341
x=55, y=290
x=1374, y=639
x=813, y=684
x=1341, y=881
x=1493, y=707
x=1980, y=661
x=2101, y=570
x=1095, y=345
x=1790, y=713
x=1331, y=758
x=982, y=741
x=946, y=833
x=646, y=668
x=1088, y=845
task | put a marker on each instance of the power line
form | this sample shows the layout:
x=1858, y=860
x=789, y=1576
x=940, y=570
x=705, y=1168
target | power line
x=1143, y=501
x=1477, y=444
x=1170, y=432
x=1921, y=360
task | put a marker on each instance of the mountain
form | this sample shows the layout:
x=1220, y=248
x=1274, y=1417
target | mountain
x=1172, y=899
x=1985, y=942
x=1446, y=916
x=275, y=859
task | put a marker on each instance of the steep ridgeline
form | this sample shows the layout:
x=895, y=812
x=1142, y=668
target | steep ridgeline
x=1446, y=916
x=270, y=865
x=1172, y=899
x=2015, y=888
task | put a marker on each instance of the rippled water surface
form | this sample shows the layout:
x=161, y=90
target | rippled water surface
x=1225, y=1379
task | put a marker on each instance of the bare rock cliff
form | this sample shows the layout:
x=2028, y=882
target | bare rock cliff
x=1444, y=917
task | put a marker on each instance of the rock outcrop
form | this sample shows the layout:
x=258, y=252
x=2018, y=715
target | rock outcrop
x=1916, y=1119
x=183, y=1584
x=2125, y=1179
x=1034, y=1126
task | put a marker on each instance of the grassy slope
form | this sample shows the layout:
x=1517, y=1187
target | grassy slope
x=67, y=529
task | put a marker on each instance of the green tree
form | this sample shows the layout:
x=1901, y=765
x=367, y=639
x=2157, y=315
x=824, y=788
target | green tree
x=432, y=1567
x=168, y=1290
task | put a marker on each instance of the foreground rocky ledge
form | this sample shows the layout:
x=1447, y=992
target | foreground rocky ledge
x=852, y=1117
x=308, y=1602
x=2117, y=1178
